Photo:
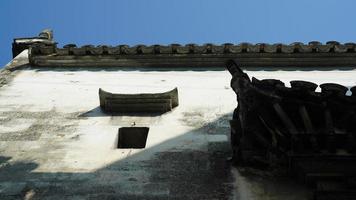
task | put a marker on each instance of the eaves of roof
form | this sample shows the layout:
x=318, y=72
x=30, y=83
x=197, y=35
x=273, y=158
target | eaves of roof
x=313, y=54
x=248, y=55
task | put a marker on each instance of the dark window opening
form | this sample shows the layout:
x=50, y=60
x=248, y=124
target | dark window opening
x=132, y=137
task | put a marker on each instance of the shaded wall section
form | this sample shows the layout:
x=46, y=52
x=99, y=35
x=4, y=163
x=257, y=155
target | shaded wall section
x=56, y=143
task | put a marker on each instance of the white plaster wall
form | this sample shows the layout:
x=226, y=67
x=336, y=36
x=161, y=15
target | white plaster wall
x=204, y=96
x=66, y=132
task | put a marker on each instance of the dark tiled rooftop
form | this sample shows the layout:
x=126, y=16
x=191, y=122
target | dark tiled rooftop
x=227, y=48
x=297, y=54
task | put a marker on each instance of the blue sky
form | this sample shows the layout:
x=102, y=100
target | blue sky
x=131, y=22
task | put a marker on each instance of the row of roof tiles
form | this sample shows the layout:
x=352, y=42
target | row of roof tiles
x=327, y=89
x=297, y=47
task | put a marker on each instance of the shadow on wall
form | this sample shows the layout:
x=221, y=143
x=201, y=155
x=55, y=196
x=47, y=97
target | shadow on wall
x=181, y=168
x=174, y=169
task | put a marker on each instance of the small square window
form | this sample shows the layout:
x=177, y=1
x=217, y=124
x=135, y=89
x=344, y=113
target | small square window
x=132, y=137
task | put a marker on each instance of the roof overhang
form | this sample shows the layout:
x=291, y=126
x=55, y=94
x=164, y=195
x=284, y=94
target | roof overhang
x=199, y=60
x=43, y=52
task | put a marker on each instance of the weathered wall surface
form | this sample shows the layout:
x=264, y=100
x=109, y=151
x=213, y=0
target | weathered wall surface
x=9, y=70
x=56, y=143
x=55, y=140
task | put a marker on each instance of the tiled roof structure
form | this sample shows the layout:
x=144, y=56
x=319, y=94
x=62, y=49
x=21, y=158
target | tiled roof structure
x=227, y=48
x=297, y=54
x=312, y=133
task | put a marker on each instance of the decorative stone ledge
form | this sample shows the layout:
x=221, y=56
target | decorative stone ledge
x=138, y=103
